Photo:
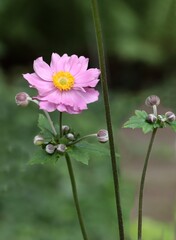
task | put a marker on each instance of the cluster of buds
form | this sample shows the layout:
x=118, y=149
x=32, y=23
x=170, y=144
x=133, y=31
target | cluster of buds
x=50, y=148
x=153, y=101
x=60, y=148
x=68, y=139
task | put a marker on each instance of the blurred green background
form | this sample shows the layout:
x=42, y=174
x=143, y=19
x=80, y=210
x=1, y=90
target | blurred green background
x=139, y=37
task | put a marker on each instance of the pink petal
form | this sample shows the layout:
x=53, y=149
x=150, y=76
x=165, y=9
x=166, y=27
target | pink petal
x=88, y=78
x=72, y=61
x=42, y=86
x=67, y=98
x=91, y=95
x=54, y=61
x=42, y=69
x=73, y=99
x=76, y=65
x=47, y=106
x=53, y=96
x=71, y=110
x=68, y=109
x=60, y=64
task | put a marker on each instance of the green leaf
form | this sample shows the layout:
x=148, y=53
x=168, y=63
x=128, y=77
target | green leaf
x=45, y=127
x=139, y=121
x=147, y=127
x=173, y=125
x=83, y=151
x=79, y=154
x=141, y=114
x=41, y=157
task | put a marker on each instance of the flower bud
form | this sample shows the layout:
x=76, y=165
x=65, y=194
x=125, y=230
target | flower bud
x=102, y=136
x=50, y=148
x=151, y=118
x=61, y=148
x=22, y=99
x=38, y=140
x=152, y=100
x=170, y=116
x=70, y=136
x=65, y=128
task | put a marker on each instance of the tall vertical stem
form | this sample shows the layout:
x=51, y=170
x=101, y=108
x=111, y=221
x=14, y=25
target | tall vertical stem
x=75, y=196
x=101, y=57
x=142, y=184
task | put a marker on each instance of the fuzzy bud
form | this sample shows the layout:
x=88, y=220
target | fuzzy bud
x=152, y=100
x=70, y=136
x=170, y=116
x=38, y=140
x=61, y=148
x=65, y=128
x=50, y=148
x=102, y=136
x=151, y=118
x=22, y=99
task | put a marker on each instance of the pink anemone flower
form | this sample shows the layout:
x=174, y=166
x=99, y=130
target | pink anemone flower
x=65, y=85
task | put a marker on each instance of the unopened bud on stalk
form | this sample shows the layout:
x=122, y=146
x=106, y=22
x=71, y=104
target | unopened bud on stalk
x=70, y=136
x=50, y=148
x=102, y=136
x=170, y=116
x=151, y=118
x=61, y=148
x=22, y=99
x=38, y=140
x=65, y=128
x=152, y=100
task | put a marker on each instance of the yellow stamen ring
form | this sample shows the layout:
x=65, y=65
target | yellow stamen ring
x=64, y=81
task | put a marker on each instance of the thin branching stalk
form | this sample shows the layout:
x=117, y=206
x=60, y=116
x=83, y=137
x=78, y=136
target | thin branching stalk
x=50, y=122
x=81, y=139
x=47, y=116
x=101, y=56
x=142, y=184
x=75, y=196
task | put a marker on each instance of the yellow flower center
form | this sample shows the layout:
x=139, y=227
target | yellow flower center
x=64, y=81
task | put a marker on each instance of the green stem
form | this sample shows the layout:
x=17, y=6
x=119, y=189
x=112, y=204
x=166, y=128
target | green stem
x=81, y=139
x=75, y=196
x=99, y=39
x=60, y=123
x=50, y=122
x=142, y=184
x=48, y=117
